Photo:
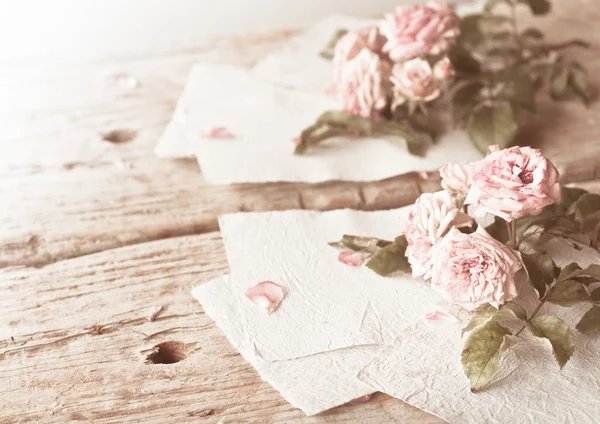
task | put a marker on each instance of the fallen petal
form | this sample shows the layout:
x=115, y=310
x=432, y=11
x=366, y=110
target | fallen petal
x=154, y=312
x=266, y=294
x=361, y=399
x=440, y=316
x=218, y=132
x=353, y=258
x=296, y=140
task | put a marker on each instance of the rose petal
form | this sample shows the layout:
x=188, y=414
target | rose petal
x=440, y=316
x=154, y=312
x=218, y=132
x=296, y=140
x=266, y=294
x=353, y=258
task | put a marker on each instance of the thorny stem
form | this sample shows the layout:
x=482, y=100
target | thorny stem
x=533, y=314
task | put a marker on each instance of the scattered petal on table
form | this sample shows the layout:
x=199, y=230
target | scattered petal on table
x=154, y=312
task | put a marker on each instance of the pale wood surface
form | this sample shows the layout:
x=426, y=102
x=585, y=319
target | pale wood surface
x=93, y=234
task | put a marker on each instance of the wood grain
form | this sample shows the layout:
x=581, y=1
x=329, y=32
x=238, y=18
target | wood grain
x=94, y=234
x=75, y=336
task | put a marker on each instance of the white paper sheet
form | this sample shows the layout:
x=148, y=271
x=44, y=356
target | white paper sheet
x=265, y=118
x=328, y=305
x=421, y=368
x=314, y=383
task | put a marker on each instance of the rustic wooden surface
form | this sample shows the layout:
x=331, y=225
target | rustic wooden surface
x=94, y=234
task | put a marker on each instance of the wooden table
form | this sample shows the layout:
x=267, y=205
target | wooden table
x=96, y=233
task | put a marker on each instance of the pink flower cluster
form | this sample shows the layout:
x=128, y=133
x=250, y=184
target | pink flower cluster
x=377, y=67
x=472, y=269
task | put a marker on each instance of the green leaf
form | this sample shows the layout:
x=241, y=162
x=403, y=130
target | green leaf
x=423, y=123
x=463, y=61
x=587, y=205
x=358, y=243
x=595, y=295
x=590, y=322
x=491, y=125
x=567, y=293
x=480, y=317
x=405, y=135
x=513, y=310
x=518, y=89
x=559, y=81
x=481, y=354
x=465, y=99
x=568, y=195
x=578, y=80
x=540, y=270
x=569, y=271
x=470, y=34
x=532, y=33
x=538, y=7
x=391, y=258
x=329, y=51
x=559, y=335
x=343, y=119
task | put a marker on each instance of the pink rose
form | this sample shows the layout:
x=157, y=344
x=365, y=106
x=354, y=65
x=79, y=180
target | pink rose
x=420, y=30
x=457, y=178
x=432, y=215
x=351, y=44
x=471, y=270
x=513, y=183
x=414, y=81
x=363, y=84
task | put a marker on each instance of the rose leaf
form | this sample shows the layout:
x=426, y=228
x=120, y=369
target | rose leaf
x=590, y=322
x=391, y=258
x=481, y=354
x=491, y=125
x=559, y=335
x=567, y=293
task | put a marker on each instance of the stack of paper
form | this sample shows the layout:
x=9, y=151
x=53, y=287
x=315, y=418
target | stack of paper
x=343, y=332
x=266, y=107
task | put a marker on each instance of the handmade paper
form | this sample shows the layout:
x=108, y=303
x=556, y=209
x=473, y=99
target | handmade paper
x=264, y=120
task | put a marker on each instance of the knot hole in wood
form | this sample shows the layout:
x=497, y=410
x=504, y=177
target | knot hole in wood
x=167, y=353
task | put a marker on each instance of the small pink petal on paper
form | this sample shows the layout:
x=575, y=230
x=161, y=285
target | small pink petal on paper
x=154, y=312
x=440, y=316
x=218, y=132
x=266, y=294
x=296, y=140
x=361, y=399
x=353, y=258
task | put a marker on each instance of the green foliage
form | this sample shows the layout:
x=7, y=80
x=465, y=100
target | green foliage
x=559, y=335
x=567, y=293
x=491, y=125
x=481, y=353
x=359, y=243
x=391, y=258
x=465, y=99
x=590, y=322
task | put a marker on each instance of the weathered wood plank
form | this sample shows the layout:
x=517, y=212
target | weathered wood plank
x=74, y=336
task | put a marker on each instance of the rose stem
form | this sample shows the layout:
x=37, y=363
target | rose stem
x=533, y=314
x=512, y=233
